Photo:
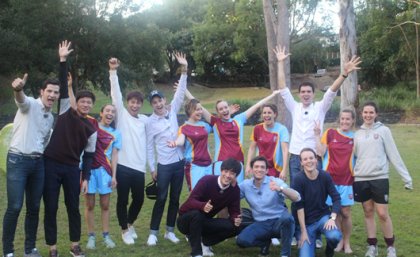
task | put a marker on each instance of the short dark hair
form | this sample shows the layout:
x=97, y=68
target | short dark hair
x=135, y=94
x=85, y=93
x=190, y=106
x=306, y=149
x=231, y=164
x=307, y=84
x=259, y=158
x=47, y=82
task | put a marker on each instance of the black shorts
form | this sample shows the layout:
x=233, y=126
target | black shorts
x=376, y=190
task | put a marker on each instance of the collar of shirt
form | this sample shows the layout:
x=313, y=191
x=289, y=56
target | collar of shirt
x=220, y=184
x=44, y=109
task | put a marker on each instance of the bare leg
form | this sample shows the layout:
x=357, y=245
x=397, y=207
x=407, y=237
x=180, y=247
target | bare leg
x=385, y=220
x=105, y=212
x=89, y=215
x=346, y=227
x=369, y=211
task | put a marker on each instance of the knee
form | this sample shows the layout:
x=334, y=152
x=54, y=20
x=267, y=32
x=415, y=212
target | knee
x=383, y=216
x=345, y=212
x=14, y=209
x=243, y=241
x=333, y=236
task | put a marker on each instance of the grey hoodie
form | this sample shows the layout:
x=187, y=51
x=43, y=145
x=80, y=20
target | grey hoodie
x=374, y=148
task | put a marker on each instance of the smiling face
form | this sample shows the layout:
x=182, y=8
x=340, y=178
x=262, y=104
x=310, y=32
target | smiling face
x=308, y=161
x=223, y=111
x=84, y=105
x=49, y=95
x=158, y=105
x=369, y=115
x=197, y=114
x=346, y=121
x=107, y=115
x=227, y=177
x=306, y=95
x=259, y=169
x=268, y=116
x=133, y=106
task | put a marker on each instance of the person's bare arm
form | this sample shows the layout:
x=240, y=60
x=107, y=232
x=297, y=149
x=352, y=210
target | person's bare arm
x=281, y=56
x=348, y=68
x=251, y=154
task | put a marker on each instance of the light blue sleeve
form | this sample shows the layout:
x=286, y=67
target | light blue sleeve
x=240, y=118
x=284, y=134
x=118, y=140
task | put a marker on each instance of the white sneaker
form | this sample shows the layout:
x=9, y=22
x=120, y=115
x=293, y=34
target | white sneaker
x=294, y=241
x=207, y=250
x=318, y=243
x=275, y=241
x=127, y=238
x=9, y=255
x=91, y=243
x=152, y=240
x=108, y=242
x=391, y=252
x=171, y=237
x=372, y=251
x=132, y=232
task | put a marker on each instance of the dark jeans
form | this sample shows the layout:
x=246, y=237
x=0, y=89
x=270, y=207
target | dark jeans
x=198, y=227
x=25, y=176
x=167, y=175
x=129, y=179
x=260, y=233
x=56, y=175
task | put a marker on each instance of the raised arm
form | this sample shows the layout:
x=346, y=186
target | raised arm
x=182, y=86
x=18, y=84
x=71, y=93
x=256, y=106
x=281, y=55
x=63, y=52
x=251, y=154
x=348, y=68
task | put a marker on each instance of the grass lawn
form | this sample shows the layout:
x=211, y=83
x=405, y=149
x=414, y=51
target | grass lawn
x=403, y=207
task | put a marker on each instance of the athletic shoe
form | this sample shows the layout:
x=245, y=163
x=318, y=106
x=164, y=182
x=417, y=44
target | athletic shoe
x=33, y=253
x=391, y=252
x=133, y=232
x=171, y=237
x=152, y=240
x=408, y=186
x=275, y=241
x=9, y=255
x=76, y=251
x=372, y=251
x=265, y=250
x=318, y=243
x=207, y=251
x=91, y=244
x=108, y=242
x=294, y=241
x=127, y=238
x=53, y=253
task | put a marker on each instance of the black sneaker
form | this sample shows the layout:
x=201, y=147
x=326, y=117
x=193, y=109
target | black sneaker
x=76, y=251
x=264, y=251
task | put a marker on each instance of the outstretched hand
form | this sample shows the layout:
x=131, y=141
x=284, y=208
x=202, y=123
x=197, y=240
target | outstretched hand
x=352, y=65
x=280, y=52
x=19, y=83
x=181, y=58
x=64, y=50
x=114, y=63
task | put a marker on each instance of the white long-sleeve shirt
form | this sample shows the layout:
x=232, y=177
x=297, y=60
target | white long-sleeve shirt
x=304, y=119
x=161, y=129
x=133, y=130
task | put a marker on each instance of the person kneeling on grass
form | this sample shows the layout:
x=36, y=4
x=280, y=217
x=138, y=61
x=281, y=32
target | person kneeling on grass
x=265, y=195
x=209, y=196
x=313, y=213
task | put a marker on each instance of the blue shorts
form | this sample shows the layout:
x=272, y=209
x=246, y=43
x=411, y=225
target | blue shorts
x=216, y=171
x=100, y=182
x=193, y=173
x=346, y=194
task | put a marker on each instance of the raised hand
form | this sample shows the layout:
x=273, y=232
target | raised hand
x=208, y=207
x=352, y=65
x=64, y=50
x=19, y=83
x=280, y=52
x=181, y=58
x=113, y=63
x=234, y=108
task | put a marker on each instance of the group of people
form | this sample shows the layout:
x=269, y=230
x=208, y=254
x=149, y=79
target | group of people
x=86, y=156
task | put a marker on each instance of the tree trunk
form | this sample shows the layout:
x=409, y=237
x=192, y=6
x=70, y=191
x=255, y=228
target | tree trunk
x=347, y=50
x=277, y=29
